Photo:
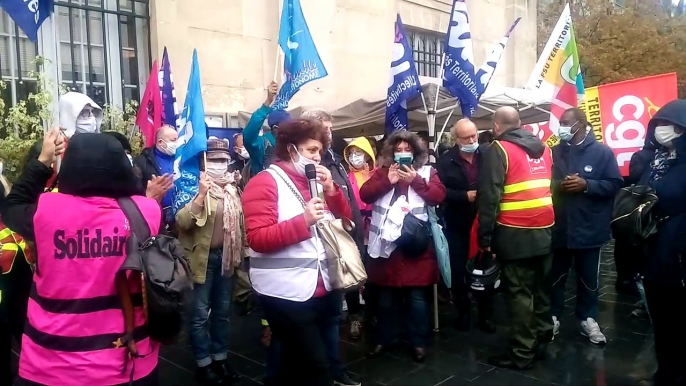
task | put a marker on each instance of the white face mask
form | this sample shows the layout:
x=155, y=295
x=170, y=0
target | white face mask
x=664, y=135
x=356, y=160
x=302, y=162
x=243, y=153
x=169, y=147
x=2, y=169
x=470, y=148
x=216, y=169
x=130, y=159
x=86, y=125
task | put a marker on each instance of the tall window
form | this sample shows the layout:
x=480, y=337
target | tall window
x=17, y=53
x=427, y=49
x=101, y=48
x=104, y=48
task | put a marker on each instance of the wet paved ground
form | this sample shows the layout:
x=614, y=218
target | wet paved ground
x=458, y=358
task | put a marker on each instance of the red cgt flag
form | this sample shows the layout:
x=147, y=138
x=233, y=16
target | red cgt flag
x=149, y=117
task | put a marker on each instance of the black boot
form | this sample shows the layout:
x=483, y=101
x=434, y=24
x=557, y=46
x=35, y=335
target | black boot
x=207, y=376
x=225, y=372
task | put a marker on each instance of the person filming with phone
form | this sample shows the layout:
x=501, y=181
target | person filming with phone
x=403, y=266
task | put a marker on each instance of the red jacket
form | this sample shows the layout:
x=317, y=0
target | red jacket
x=264, y=233
x=399, y=270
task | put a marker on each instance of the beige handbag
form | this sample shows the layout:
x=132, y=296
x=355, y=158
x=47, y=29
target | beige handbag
x=346, y=270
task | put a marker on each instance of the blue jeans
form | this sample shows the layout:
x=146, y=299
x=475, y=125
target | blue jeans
x=210, y=339
x=409, y=304
x=587, y=266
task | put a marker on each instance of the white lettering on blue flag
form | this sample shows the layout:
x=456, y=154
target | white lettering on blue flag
x=403, y=81
x=458, y=68
x=28, y=14
x=302, y=63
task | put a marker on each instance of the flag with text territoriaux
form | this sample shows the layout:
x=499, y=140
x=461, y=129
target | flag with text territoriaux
x=403, y=82
x=557, y=74
x=301, y=63
x=149, y=117
x=192, y=141
x=458, y=67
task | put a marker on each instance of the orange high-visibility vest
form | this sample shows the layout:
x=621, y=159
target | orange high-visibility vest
x=526, y=200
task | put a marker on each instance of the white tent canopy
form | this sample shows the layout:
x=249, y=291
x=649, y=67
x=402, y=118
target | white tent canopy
x=367, y=117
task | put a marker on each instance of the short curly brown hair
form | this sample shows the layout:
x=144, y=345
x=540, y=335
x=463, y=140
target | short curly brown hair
x=297, y=131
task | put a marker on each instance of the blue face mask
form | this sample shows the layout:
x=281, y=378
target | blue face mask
x=471, y=148
x=565, y=132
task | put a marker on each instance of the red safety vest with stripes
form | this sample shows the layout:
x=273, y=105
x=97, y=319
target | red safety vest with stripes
x=526, y=200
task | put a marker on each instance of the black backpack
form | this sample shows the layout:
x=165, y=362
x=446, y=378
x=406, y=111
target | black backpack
x=415, y=236
x=633, y=219
x=165, y=274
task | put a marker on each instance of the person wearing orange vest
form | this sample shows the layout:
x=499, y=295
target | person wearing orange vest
x=15, y=284
x=515, y=224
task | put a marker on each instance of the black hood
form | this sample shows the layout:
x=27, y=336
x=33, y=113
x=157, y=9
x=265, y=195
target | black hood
x=526, y=140
x=673, y=112
x=95, y=165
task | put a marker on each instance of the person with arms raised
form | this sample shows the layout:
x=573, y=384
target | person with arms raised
x=75, y=320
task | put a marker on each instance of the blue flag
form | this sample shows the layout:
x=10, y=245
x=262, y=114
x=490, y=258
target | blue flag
x=192, y=141
x=403, y=83
x=485, y=73
x=458, y=68
x=301, y=63
x=170, y=109
x=28, y=14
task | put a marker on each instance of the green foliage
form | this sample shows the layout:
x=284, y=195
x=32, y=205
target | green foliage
x=24, y=124
x=124, y=121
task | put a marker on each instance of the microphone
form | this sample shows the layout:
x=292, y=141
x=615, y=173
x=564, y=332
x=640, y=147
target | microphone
x=311, y=174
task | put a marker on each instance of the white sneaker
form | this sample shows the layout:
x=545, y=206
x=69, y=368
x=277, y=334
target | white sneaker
x=591, y=329
x=556, y=326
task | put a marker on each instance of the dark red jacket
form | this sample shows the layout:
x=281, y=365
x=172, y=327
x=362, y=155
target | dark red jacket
x=264, y=233
x=399, y=270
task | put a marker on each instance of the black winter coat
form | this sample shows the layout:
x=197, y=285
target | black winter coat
x=458, y=212
x=582, y=220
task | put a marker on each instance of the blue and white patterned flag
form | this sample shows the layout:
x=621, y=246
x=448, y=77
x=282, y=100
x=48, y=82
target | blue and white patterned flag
x=28, y=14
x=192, y=141
x=170, y=109
x=301, y=63
x=458, y=68
x=485, y=73
x=403, y=83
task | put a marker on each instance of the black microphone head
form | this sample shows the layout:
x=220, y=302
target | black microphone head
x=310, y=172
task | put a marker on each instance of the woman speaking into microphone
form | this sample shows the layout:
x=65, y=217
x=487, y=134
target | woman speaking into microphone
x=288, y=266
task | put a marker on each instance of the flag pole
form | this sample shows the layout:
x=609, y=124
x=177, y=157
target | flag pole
x=440, y=135
x=432, y=116
x=278, y=49
x=208, y=208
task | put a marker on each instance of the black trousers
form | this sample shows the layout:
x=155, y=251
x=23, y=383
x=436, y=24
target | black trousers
x=14, y=290
x=303, y=328
x=665, y=303
x=458, y=243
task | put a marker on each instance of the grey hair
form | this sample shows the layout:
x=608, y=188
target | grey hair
x=319, y=115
